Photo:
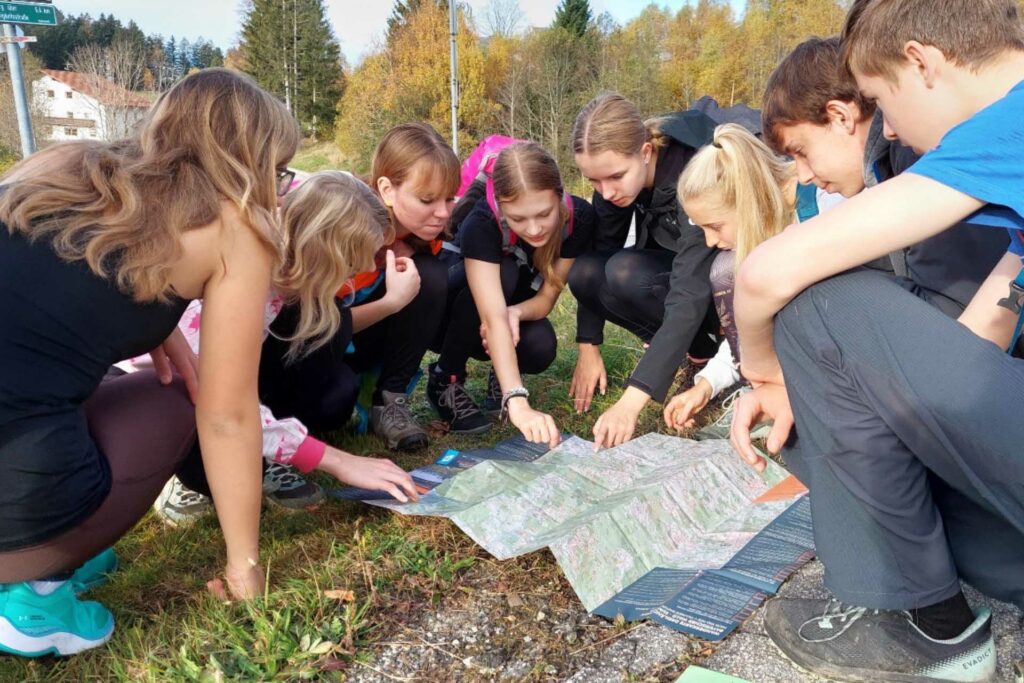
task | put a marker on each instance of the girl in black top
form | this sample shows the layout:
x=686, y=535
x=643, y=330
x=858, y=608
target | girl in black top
x=517, y=250
x=658, y=290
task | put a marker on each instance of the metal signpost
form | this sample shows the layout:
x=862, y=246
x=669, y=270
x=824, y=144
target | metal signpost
x=22, y=13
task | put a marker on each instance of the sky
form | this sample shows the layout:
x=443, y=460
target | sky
x=358, y=24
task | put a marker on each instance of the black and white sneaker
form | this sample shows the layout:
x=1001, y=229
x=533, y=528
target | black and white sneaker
x=448, y=395
x=284, y=486
x=834, y=640
x=492, y=402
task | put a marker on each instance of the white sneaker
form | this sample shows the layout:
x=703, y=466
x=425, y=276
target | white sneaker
x=177, y=504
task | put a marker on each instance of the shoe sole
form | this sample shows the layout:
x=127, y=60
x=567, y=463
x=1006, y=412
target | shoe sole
x=822, y=669
x=21, y=644
x=409, y=443
x=307, y=504
x=475, y=430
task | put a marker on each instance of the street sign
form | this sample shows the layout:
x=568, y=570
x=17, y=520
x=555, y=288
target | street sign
x=17, y=39
x=28, y=13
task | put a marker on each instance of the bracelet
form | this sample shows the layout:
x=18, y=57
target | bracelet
x=508, y=395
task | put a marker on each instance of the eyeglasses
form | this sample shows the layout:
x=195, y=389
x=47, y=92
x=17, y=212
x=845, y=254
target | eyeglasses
x=285, y=179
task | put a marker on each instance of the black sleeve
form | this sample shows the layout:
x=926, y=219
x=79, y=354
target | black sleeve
x=686, y=305
x=582, y=238
x=480, y=236
x=612, y=227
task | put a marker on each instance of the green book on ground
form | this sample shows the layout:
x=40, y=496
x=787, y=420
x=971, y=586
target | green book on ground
x=697, y=674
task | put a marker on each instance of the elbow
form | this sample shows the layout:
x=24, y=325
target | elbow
x=762, y=277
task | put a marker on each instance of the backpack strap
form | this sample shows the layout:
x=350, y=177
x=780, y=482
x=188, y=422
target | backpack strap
x=1015, y=303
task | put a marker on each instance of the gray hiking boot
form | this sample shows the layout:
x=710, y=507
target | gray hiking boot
x=848, y=643
x=395, y=424
x=720, y=428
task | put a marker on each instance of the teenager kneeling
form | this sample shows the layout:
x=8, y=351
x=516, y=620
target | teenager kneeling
x=518, y=244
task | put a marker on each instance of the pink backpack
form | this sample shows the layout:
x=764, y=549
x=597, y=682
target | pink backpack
x=478, y=168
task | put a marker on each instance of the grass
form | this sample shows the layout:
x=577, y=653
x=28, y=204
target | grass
x=318, y=156
x=342, y=579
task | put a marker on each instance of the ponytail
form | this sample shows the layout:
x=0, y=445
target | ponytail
x=745, y=176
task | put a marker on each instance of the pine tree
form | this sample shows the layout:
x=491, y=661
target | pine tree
x=574, y=16
x=289, y=48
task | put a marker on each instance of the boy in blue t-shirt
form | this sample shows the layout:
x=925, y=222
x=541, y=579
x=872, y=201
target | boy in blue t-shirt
x=907, y=424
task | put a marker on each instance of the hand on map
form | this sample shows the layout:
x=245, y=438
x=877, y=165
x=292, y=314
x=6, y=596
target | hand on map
x=536, y=426
x=375, y=474
x=616, y=426
x=176, y=354
x=681, y=409
x=243, y=583
x=765, y=402
x=589, y=376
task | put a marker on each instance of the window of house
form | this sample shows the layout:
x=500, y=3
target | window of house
x=71, y=114
x=68, y=94
x=72, y=132
x=49, y=93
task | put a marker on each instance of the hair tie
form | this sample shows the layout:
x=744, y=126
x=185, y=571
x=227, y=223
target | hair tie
x=716, y=144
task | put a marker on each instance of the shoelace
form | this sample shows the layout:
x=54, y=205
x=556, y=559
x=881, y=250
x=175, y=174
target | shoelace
x=493, y=388
x=458, y=399
x=282, y=476
x=396, y=414
x=726, y=416
x=837, y=610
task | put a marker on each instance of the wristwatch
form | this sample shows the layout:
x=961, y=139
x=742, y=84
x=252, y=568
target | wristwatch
x=510, y=394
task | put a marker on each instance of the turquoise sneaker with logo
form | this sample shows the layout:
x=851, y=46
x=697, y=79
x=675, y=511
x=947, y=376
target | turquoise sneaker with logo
x=95, y=572
x=33, y=625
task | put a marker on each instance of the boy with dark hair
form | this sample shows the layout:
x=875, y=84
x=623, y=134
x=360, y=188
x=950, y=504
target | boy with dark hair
x=813, y=112
x=908, y=425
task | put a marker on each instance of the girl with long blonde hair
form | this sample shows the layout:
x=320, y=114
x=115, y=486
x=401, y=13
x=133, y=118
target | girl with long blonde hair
x=396, y=305
x=102, y=245
x=333, y=225
x=657, y=289
x=517, y=249
x=739, y=194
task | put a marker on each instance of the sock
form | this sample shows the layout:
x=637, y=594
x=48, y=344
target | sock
x=49, y=584
x=944, y=620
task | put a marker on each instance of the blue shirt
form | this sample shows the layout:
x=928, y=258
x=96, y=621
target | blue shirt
x=984, y=157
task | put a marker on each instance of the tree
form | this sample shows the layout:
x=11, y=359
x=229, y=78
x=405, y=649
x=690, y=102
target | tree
x=403, y=10
x=573, y=16
x=114, y=72
x=10, y=137
x=289, y=48
x=408, y=81
x=503, y=17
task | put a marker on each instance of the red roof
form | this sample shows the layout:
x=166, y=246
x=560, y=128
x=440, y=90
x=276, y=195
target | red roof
x=99, y=88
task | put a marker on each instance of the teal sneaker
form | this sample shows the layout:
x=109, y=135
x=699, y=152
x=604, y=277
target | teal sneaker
x=94, y=572
x=33, y=625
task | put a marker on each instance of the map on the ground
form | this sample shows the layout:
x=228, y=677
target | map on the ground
x=662, y=528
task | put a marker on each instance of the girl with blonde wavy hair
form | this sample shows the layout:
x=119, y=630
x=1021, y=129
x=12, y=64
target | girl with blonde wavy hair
x=739, y=194
x=516, y=255
x=332, y=225
x=396, y=305
x=657, y=288
x=102, y=245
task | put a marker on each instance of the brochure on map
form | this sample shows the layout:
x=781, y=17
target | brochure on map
x=662, y=528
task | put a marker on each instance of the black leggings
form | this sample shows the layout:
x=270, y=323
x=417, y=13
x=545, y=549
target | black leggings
x=318, y=389
x=145, y=431
x=398, y=343
x=461, y=339
x=628, y=287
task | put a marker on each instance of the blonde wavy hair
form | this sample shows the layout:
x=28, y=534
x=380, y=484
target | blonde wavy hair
x=527, y=167
x=743, y=174
x=610, y=122
x=122, y=206
x=332, y=225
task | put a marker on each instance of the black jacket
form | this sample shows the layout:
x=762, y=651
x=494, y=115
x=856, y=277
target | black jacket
x=661, y=224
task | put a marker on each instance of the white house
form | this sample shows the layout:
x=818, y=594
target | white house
x=78, y=106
